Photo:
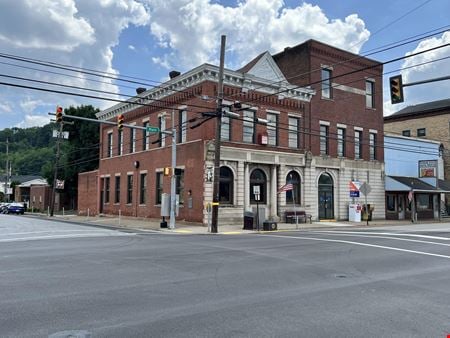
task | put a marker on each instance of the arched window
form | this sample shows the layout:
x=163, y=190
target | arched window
x=258, y=183
x=293, y=196
x=226, y=185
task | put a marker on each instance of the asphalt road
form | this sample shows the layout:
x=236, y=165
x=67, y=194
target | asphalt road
x=325, y=283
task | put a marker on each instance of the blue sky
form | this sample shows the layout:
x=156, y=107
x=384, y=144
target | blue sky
x=148, y=38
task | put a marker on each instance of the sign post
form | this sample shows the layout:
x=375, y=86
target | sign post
x=365, y=189
x=257, y=193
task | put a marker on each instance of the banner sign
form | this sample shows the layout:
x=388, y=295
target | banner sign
x=428, y=168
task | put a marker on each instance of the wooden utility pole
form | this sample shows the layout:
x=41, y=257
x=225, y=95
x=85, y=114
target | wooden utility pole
x=215, y=204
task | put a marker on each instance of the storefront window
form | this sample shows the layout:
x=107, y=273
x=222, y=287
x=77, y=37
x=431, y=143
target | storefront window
x=390, y=202
x=424, y=201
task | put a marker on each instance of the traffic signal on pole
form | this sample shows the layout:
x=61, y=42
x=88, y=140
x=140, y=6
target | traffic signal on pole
x=59, y=114
x=396, y=86
x=120, y=122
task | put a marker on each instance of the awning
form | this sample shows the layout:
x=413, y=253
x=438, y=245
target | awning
x=406, y=184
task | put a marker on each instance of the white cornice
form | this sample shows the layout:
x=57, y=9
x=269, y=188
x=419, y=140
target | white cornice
x=207, y=72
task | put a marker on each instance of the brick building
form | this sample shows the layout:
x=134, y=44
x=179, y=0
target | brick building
x=323, y=108
x=429, y=120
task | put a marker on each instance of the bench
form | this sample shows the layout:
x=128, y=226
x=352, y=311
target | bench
x=297, y=217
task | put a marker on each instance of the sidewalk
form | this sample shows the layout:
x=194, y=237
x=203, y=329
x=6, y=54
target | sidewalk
x=146, y=225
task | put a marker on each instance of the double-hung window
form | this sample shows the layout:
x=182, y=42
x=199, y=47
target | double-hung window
x=341, y=142
x=370, y=94
x=324, y=139
x=272, y=129
x=249, y=126
x=326, y=83
x=358, y=144
x=294, y=127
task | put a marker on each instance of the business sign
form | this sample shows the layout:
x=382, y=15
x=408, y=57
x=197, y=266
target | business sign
x=354, y=186
x=428, y=168
x=354, y=193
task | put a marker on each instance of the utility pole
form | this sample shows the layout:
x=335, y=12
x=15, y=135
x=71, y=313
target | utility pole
x=58, y=140
x=215, y=204
x=173, y=178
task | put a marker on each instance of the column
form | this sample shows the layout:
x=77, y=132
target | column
x=246, y=187
x=273, y=191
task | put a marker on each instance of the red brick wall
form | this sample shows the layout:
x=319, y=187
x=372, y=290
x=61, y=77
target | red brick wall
x=40, y=197
x=344, y=107
x=88, y=193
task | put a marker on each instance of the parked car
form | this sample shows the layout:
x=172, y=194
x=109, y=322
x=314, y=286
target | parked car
x=16, y=208
x=4, y=208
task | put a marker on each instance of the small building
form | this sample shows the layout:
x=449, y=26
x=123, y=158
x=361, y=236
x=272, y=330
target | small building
x=415, y=188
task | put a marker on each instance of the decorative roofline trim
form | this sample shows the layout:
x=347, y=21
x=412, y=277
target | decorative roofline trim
x=207, y=72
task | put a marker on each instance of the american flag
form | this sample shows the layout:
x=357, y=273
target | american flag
x=286, y=187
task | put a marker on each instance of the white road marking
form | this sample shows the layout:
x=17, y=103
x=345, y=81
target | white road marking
x=23, y=239
x=386, y=237
x=41, y=232
x=384, y=233
x=362, y=244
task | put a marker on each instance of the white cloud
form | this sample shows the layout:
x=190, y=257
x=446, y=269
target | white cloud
x=44, y=24
x=80, y=33
x=191, y=29
x=131, y=47
x=5, y=108
x=33, y=121
x=422, y=67
x=434, y=90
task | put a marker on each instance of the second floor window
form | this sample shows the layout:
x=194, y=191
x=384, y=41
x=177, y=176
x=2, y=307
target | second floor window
x=146, y=137
x=249, y=126
x=120, y=142
x=162, y=127
x=326, y=83
x=324, y=147
x=421, y=132
x=358, y=144
x=272, y=129
x=132, y=140
x=225, y=132
x=182, y=125
x=341, y=142
x=406, y=132
x=110, y=144
x=373, y=146
x=294, y=125
x=370, y=94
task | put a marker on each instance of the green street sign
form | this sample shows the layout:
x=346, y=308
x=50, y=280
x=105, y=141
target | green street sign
x=151, y=129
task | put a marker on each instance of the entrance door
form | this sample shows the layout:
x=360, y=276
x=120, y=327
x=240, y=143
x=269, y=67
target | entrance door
x=326, y=198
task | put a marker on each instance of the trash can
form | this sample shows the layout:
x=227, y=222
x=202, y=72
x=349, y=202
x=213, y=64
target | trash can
x=269, y=226
x=249, y=219
x=367, y=212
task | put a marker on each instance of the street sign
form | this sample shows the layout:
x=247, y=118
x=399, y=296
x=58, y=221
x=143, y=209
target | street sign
x=151, y=129
x=354, y=193
x=58, y=134
x=365, y=189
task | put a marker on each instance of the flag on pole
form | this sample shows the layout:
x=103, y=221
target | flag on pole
x=410, y=195
x=286, y=187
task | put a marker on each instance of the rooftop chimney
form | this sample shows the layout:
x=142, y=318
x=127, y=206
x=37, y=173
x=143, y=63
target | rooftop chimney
x=174, y=74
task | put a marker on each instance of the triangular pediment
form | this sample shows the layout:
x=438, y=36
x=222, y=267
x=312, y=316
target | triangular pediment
x=266, y=68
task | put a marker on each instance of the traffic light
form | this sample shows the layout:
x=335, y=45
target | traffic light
x=396, y=86
x=59, y=114
x=167, y=171
x=120, y=122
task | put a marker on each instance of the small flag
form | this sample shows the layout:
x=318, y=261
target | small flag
x=286, y=187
